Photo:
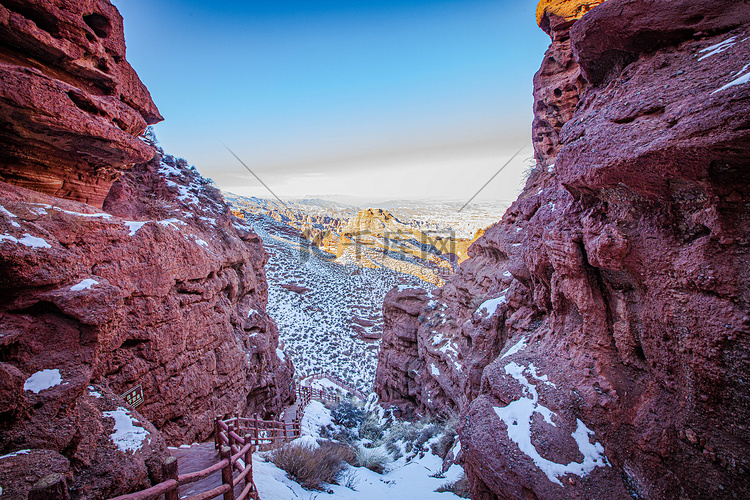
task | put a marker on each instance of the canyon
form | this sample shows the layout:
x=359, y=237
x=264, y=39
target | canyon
x=595, y=343
x=592, y=343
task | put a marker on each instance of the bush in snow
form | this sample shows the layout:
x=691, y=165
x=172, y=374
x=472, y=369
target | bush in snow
x=310, y=465
x=348, y=414
x=411, y=437
x=374, y=459
x=370, y=429
x=442, y=446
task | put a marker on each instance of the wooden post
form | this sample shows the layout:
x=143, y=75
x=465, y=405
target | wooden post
x=255, y=428
x=249, y=460
x=169, y=471
x=226, y=472
x=229, y=432
x=217, y=430
x=51, y=487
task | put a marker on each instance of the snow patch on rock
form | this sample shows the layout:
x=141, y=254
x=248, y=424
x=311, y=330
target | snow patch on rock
x=518, y=346
x=16, y=453
x=42, y=380
x=84, y=285
x=518, y=416
x=127, y=436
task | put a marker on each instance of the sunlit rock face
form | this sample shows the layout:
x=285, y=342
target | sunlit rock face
x=595, y=345
x=567, y=11
x=71, y=107
x=558, y=84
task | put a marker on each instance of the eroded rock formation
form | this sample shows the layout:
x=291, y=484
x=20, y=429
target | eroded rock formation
x=596, y=343
x=166, y=289
x=162, y=288
x=71, y=107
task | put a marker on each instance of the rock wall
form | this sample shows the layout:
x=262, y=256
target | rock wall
x=156, y=284
x=595, y=344
x=71, y=107
x=165, y=289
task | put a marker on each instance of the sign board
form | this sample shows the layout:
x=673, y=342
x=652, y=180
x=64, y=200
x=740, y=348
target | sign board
x=134, y=397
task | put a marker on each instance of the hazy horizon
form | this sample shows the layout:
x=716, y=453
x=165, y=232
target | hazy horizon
x=418, y=100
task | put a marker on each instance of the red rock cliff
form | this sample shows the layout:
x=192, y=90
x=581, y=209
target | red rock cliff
x=163, y=288
x=596, y=343
x=71, y=107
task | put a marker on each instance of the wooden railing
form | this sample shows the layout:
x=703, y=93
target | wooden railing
x=232, y=458
x=306, y=381
x=235, y=438
x=264, y=434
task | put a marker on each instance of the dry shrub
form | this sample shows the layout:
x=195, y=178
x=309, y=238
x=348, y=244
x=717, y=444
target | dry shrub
x=310, y=466
x=374, y=459
x=459, y=487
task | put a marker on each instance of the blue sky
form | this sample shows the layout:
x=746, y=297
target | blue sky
x=377, y=99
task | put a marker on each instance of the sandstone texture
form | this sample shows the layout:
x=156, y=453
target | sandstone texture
x=159, y=286
x=165, y=289
x=71, y=107
x=596, y=344
x=558, y=84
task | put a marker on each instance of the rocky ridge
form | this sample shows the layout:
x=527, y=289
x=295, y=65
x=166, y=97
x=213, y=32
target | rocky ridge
x=368, y=237
x=595, y=344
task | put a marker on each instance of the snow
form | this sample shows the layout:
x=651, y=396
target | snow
x=434, y=370
x=738, y=81
x=26, y=240
x=542, y=378
x=93, y=392
x=551, y=168
x=173, y=223
x=518, y=416
x=84, y=285
x=251, y=312
x=42, y=380
x=79, y=214
x=401, y=288
x=521, y=344
x=5, y=211
x=39, y=208
x=127, y=437
x=168, y=170
x=33, y=241
x=324, y=383
x=200, y=241
x=718, y=48
x=408, y=481
x=280, y=354
x=16, y=453
x=7, y=237
x=490, y=306
x=134, y=226
x=316, y=416
x=744, y=68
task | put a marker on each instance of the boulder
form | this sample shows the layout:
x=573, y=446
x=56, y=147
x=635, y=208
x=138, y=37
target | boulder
x=71, y=107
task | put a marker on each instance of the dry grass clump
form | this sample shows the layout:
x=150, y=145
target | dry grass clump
x=311, y=466
x=459, y=487
x=374, y=459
